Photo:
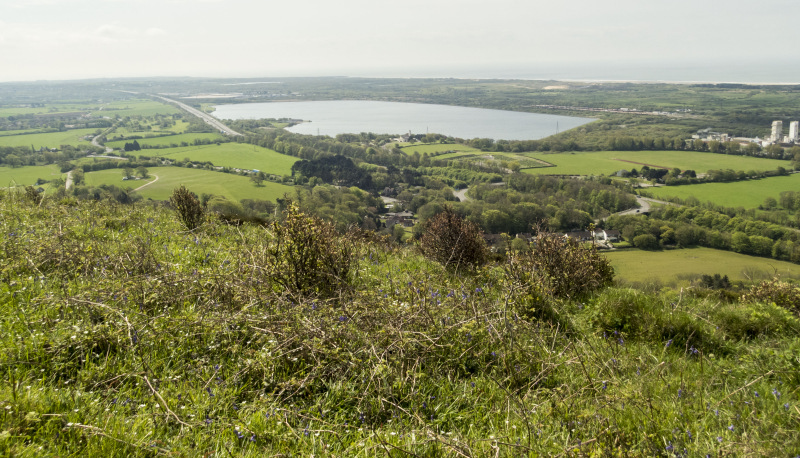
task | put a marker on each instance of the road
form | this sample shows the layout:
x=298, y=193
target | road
x=644, y=206
x=204, y=116
x=461, y=194
x=97, y=144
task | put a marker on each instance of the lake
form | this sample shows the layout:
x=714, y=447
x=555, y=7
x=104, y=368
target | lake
x=356, y=116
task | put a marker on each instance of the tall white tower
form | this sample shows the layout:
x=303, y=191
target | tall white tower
x=777, y=131
x=794, y=135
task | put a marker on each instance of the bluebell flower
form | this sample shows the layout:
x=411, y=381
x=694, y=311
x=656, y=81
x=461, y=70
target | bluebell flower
x=669, y=342
x=731, y=428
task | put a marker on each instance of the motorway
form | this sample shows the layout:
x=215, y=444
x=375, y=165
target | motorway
x=204, y=116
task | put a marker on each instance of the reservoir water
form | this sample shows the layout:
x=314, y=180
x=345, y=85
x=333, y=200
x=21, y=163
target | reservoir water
x=356, y=116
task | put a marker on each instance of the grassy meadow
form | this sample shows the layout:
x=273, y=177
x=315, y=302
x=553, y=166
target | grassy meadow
x=145, y=107
x=124, y=334
x=27, y=175
x=50, y=140
x=166, y=140
x=671, y=266
x=747, y=193
x=234, y=155
x=431, y=148
x=609, y=162
x=230, y=186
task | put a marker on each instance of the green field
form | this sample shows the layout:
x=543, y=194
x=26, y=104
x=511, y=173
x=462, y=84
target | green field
x=609, y=162
x=233, y=187
x=234, y=155
x=438, y=148
x=47, y=109
x=666, y=266
x=5, y=133
x=51, y=140
x=154, y=129
x=748, y=194
x=166, y=140
x=27, y=176
x=135, y=108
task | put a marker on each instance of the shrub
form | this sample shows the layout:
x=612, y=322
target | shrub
x=557, y=268
x=189, y=210
x=643, y=317
x=745, y=321
x=452, y=241
x=562, y=266
x=646, y=242
x=781, y=293
x=307, y=257
x=33, y=195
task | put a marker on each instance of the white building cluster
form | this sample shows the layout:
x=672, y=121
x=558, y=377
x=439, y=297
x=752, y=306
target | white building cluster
x=777, y=132
x=776, y=137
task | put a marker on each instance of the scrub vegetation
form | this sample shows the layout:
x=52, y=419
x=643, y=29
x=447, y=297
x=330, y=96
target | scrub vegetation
x=126, y=333
x=168, y=289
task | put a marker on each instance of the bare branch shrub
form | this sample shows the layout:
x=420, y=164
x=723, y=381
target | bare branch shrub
x=189, y=210
x=452, y=241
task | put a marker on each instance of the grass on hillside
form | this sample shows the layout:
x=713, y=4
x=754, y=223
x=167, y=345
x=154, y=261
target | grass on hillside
x=49, y=140
x=609, y=162
x=231, y=186
x=748, y=193
x=234, y=155
x=123, y=334
x=167, y=140
x=675, y=267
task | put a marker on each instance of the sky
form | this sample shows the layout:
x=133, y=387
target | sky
x=73, y=39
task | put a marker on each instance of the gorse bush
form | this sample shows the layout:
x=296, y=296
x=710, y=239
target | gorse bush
x=189, y=210
x=776, y=291
x=453, y=241
x=560, y=267
x=33, y=195
x=307, y=257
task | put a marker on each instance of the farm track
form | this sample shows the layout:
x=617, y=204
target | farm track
x=146, y=184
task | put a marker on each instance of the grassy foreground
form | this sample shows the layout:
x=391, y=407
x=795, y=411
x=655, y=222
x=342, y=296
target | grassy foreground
x=123, y=334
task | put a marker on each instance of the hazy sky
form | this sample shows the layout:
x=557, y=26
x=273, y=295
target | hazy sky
x=67, y=39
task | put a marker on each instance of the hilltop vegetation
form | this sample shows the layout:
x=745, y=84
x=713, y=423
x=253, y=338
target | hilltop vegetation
x=124, y=333
x=281, y=310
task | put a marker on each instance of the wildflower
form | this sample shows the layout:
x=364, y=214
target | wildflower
x=776, y=393
x=689, y=433
x=719, y=438
x=731, y=428
x=669, y=342
x=604, y=385
x=239, y=434
x=755, y=393
x=786, y=406
x=253, y=438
